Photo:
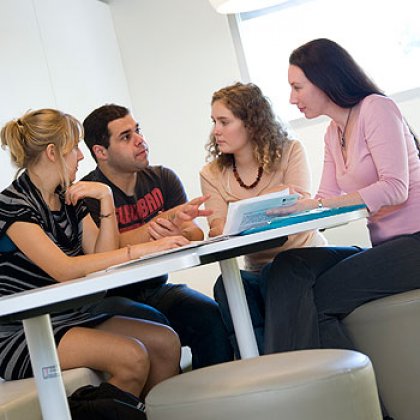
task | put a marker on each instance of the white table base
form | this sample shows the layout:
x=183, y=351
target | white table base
x=239, y=308
x=46, y=368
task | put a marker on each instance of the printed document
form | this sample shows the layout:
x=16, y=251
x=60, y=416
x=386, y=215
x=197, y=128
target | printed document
x=252, y=212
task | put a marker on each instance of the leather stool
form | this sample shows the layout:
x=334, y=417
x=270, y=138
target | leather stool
x=300, y=385
x=388, y=331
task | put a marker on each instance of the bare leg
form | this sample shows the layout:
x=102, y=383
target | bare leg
x=161, y=342
x=124, y=358
x=137, y=354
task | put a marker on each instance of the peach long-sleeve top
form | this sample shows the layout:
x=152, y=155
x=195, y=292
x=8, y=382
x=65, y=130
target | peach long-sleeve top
x=382, y=165
x=293, y=169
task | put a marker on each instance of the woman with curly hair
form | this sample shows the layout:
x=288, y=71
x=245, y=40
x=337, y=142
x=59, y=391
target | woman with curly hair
x=251, y=155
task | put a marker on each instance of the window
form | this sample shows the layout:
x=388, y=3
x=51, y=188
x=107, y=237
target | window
x=383, y=37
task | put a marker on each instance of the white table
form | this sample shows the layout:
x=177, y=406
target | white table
x=34, y=306
x=240, y=245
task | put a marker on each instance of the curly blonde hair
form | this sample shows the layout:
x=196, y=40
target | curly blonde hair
x=265, y=131
x=28, y=136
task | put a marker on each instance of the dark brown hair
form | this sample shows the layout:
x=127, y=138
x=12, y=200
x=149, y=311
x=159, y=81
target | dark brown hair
x=333, y=70
x=96, y=125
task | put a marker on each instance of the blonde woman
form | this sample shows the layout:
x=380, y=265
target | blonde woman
x=251, y=154
x=45, y=205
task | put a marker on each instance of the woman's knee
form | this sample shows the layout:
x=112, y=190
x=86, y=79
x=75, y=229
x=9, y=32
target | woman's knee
x=301, y=267
x=287, y=270
x=166, y=344
x=133, y=361
x=284, y=263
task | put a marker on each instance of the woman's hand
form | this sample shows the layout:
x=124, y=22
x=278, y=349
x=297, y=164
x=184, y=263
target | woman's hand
x=216, y=227
x=301, y=205
x=295, y=189
x=163, y=244
x=83, y=189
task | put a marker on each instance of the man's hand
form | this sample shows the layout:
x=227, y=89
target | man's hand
x=161, y=227
x=189, y=211
x=173, y=222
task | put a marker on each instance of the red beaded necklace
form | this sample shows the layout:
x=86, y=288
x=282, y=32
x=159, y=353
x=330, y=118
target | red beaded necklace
x=242, y=183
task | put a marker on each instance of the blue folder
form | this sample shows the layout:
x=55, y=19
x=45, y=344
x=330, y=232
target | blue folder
x=305, y=216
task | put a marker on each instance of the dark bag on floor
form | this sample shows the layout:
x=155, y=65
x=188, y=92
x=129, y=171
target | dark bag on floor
x=105, y=402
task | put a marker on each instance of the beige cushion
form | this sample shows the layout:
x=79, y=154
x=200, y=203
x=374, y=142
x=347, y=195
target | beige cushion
x=311, y=384
x=19, y=399
x=388, y=331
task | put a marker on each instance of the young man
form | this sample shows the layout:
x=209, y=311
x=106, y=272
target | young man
x=151, y=203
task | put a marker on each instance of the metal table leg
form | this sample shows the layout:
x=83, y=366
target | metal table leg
x=46, y=368
x=239, y=308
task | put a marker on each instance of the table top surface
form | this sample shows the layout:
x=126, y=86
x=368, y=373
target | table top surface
x=156, y=265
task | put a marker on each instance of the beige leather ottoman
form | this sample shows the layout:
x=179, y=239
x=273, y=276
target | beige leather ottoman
x=302, y=385
x=19, y=399
x=388, y=331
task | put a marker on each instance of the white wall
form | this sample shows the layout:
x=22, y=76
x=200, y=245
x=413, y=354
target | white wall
x=57, y=53
x=161, y=58
x=168, y=59
x=176, y=53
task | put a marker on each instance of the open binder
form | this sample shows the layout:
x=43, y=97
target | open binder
x=252, y=212
x=304, y=216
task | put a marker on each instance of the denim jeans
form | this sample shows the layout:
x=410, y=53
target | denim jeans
x=251, y=282
x=194, y=316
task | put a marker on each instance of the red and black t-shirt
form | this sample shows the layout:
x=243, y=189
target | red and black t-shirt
x=157, y=189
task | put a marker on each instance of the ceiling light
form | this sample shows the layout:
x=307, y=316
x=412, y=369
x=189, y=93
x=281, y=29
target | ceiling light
x=239, y=6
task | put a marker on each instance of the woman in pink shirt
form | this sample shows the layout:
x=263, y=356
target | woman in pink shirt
x=371, y=158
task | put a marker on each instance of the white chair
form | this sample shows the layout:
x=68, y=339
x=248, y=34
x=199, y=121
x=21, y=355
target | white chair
x=19, y=399
x=310, y=384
